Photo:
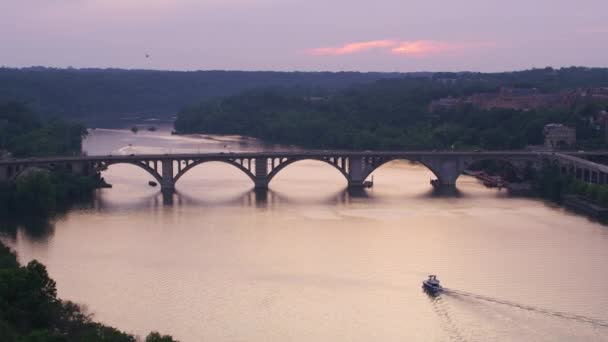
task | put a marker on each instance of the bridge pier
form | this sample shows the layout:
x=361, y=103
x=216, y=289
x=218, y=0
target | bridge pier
x=261, y=183
x=357, y=172
x=261, y=174
x=167, y=185
x=447, y=170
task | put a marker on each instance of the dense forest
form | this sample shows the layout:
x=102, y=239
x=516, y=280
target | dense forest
x=42, y=193
x=25, y=134
x=93, y=95
x=394, y=114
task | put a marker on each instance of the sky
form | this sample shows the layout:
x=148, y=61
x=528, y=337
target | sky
x=305, y=35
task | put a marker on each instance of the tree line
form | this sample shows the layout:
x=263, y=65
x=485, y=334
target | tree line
x=41, y=193
x=24, y=134
x=394, y=114
x=100, y=95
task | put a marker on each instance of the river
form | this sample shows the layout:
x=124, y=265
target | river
x=312, y=262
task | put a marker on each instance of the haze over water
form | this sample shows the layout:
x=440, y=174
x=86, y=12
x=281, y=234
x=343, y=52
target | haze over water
x=312, y=262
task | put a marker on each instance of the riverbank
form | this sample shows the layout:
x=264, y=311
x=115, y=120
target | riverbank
x=585, y=207
x=43, y=193
x=31, y=311
x=590, y=200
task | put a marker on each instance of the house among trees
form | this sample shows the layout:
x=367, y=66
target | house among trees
x=595, y=93
x=559, y=136
x=523, y=99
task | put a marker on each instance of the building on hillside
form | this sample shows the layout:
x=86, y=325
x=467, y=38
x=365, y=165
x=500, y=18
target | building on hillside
x=595, y=93
x=521, y=99
x=515, y=98
x=559, y=136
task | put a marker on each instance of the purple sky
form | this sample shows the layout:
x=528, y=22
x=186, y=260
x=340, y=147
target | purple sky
x=309, y=35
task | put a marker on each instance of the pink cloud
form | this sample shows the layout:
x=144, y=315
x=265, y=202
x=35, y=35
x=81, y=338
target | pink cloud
x=422, y=48
x=416, y=48
x=352, y=48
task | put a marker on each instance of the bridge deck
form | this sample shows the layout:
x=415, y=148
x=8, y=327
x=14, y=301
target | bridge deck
x=270, y=154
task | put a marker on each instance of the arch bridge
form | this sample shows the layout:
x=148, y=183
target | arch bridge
x=262, y=167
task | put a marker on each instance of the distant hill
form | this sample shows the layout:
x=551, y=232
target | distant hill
x=395, y=113
x=108, y=94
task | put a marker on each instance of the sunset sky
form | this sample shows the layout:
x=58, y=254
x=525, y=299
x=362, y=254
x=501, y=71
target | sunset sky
x=307, y=35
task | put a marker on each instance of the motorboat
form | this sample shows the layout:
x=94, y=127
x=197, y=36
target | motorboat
x=432, y=285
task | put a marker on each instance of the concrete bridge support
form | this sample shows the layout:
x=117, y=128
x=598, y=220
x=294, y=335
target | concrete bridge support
x=82, y=168
x=167, y=184
x=261, y=174
x=358, y=171
x=447, y=170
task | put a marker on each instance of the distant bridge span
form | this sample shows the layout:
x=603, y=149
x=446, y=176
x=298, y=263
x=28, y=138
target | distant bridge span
x=262, y=167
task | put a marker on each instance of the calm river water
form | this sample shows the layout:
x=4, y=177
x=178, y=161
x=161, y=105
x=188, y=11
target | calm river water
x=311, y=262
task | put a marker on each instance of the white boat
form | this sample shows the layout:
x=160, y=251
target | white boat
x=432, y=285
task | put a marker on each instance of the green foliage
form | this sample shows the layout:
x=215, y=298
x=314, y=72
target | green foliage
x=156, y=337
x=394, y=114
x=549, y=184
x=109, y=94
x=36, y=193
x=597, y=193
x=24, y=135
x=40, y=193
x=31, y=312
x=602, y=196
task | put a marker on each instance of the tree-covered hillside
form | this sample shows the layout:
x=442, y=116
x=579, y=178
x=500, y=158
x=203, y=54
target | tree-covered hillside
x=109, y=94
x=24, y=134
x=394, y=114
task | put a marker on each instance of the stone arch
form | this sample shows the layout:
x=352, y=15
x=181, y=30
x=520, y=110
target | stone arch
x=283, y=164
x=199, y=162
x=375, y=165
x=142, y=165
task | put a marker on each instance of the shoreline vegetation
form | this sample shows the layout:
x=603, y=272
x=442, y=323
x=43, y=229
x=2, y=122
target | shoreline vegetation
x=39, y=192
x=30, y=310
x=587, y=199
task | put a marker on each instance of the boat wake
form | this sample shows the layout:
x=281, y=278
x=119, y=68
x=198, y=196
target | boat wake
x=451, y=327
x=564, y=315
